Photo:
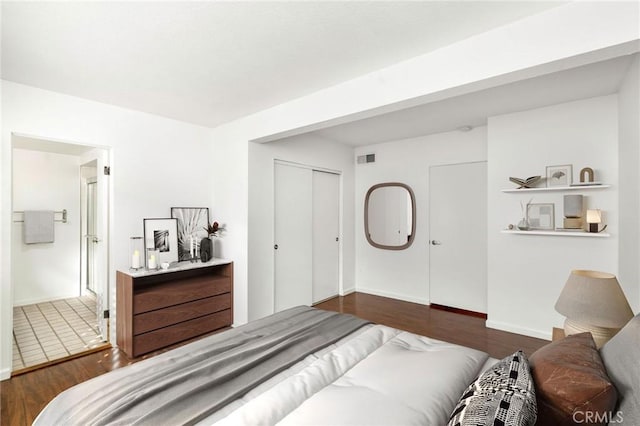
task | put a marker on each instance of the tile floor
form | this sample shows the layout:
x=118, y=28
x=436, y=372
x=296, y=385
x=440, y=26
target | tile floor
x=48, y=331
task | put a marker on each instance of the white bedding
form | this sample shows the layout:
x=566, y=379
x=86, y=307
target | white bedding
x=376, y=376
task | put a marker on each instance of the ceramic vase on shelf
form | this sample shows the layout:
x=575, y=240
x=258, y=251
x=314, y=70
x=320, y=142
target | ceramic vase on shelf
x=523, y=225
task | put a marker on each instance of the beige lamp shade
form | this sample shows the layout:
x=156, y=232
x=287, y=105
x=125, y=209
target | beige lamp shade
x=594, y=298
x=594, y=216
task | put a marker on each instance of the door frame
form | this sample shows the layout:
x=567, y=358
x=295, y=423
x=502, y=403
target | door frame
x=340, y=219
x=7, y=331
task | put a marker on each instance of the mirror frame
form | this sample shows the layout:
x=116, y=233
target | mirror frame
x=413, y=216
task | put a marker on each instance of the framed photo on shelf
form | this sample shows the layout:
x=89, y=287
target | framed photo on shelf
x=541, y=216
x=559, y=175
x=161, y=235
x=192, y=222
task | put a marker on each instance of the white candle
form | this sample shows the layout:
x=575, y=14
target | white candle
x=196, y=244
x=135, y=260
x=191, y=242
x=152, y=262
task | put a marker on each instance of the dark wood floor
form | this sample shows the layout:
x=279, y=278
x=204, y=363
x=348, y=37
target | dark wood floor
x=440, y=324
x=25, y=395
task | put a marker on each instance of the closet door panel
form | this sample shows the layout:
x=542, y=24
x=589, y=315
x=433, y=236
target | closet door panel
x=293, y=236
x=326, y=231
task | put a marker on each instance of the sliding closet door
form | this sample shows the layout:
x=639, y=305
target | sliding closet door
x=326, y=231
x=293, y=236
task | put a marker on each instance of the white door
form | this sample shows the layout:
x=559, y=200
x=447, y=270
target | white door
x=91, y=235
x=293, y=236
x=326, y=231
x=458, y=236
x=100, y=244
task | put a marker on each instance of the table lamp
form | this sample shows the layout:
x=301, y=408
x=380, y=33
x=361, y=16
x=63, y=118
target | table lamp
x=594, y=218
x=593, y=301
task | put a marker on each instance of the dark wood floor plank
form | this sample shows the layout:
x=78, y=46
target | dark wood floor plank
x=24, y=396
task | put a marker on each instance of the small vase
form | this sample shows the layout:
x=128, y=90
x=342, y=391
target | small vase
x=206, y=250
x=523, y=225
x=215, y=242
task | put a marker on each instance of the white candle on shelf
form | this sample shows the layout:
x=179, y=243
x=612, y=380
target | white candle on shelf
x=191, y=246
x=152, y=262
x=135, y=259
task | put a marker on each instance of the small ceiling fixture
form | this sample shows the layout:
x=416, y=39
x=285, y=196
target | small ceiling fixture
x=466, y=128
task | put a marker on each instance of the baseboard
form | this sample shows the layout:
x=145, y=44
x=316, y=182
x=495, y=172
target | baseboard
x=5, y=374
x=392, y=295
x=519, y=330
x=348, y=291
x=41, y=300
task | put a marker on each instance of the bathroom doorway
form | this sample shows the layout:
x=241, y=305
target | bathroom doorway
x=59, y=279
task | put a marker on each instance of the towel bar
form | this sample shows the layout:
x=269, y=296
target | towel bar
x=62, y=212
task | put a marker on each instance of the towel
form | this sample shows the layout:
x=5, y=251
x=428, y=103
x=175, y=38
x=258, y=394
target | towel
x=38, y=226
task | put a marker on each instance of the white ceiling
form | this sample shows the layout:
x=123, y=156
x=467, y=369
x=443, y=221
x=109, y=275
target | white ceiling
x=211, y=62
x=598, y=79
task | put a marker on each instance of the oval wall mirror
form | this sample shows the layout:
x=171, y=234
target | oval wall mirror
x=390, y=216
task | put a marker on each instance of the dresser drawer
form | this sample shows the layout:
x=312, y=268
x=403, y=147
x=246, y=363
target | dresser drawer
x=157, y=339
x=153, y=320
x=174, y=293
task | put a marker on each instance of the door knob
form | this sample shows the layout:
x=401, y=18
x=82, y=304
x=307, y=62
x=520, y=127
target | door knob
x=435, y=243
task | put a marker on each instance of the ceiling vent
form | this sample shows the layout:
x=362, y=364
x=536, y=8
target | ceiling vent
x=369, y=158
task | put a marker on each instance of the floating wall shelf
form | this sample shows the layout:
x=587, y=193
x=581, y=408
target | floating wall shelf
x=557, y=188
x=558, y=233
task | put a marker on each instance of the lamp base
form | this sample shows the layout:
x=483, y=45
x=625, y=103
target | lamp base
x=572, y=222
x=601, y=335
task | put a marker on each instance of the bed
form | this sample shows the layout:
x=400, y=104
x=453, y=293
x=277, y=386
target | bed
x=306, y=366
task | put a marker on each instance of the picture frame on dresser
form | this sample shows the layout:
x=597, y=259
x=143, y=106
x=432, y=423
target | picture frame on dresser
x=161, y=235
x=192, y=222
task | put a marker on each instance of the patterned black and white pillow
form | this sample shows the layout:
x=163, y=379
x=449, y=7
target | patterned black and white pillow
x=504, y=395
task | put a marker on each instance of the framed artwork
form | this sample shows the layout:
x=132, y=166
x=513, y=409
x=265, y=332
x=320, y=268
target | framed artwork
x=161, y=235
x=559, y=175
x=541, y=216
x=192, y=223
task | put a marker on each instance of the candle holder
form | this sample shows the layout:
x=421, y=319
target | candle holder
x=194, y=248
x=152, y=259
x=136, y=253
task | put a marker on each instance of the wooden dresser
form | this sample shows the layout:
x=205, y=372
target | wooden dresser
x=156, y=309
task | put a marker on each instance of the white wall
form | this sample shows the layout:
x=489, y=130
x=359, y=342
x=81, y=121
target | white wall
x=306, y=150
x=156, y=163
x=46, y=181
x=526, y=48
x=527, y=273
x=404, y=274
x=629, y=122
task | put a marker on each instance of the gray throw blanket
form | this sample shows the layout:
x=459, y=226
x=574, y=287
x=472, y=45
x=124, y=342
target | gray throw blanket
x=187, y=384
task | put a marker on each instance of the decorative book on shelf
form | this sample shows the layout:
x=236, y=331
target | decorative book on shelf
x=525, y=183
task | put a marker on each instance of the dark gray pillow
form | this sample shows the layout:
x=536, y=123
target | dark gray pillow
x=620, y=356
x=503, y=395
